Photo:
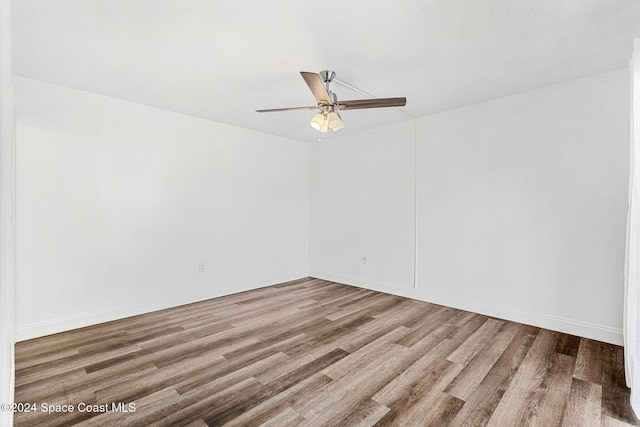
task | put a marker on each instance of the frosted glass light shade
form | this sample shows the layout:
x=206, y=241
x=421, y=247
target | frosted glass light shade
x=335, y=123
x=319, y=122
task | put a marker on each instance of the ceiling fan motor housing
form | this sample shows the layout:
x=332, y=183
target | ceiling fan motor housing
x=327, y=75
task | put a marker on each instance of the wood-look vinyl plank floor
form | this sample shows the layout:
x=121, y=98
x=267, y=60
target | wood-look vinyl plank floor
x=317, y=353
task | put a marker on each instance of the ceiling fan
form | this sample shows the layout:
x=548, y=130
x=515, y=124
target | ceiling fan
x=328, y=116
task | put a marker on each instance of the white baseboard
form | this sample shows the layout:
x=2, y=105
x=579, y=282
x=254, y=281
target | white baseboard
x=541, y=320
x=53, y=326
x=547, y=321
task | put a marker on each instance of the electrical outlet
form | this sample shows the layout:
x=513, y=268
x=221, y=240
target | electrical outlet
x=201, y=267
x=363, y=259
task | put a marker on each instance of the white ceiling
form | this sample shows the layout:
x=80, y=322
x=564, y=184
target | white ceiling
x=222, y=59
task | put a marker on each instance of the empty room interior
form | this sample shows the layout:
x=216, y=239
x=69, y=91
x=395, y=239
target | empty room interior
x=431, y=230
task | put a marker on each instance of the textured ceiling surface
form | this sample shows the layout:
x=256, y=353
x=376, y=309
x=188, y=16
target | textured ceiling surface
x=222, y=59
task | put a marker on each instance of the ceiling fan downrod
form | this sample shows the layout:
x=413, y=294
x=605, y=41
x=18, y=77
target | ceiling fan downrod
x=327, y=77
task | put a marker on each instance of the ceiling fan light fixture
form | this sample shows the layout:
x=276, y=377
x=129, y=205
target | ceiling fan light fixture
x=319, y=122
x=335, y=122
x=316, y=121
x=339, y=125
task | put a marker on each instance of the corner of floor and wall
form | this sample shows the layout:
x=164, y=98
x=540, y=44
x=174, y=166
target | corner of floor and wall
x=519, y=214
x=124, y=208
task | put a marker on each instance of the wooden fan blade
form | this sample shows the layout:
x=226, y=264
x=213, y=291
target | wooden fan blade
x=271, y=110
x=372, y=103
x=317, y=87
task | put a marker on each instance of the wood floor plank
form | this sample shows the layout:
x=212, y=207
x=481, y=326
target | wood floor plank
x=615, y=405
x=129, y=390
x=394, y=316
x=473, y=373
x=365, y=355
x=55, y=367
x=539, y=391
x=471, y=346
x=198, y=404
x=428, y=324
x=343, y=394
x=197, y=423
x=47, y=389
x=301, y=359
x=288, y=417
x=364, y=303
x=589, y=362
x=568, y=344
x=424, y=403
x=293, y=396
x=584, y=407
x=221, y=415
x=366, y=413
x=616, y=393
x=54, y=384
x=151, y=407
x=482, y=402
x=221, y=375
x=612, y=422
x=328, y=332
x=43, y=358
x=412, y=378
x=444, y=409
x=318, y=353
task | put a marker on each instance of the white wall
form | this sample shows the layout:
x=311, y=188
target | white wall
x=521, y=206
x=118, y=202
x=361, y=204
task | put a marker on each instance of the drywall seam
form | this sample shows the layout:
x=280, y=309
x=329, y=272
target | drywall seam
x=415, y=203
